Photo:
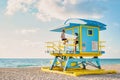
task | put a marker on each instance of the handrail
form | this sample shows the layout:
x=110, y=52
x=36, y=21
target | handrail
x=101, y=45
x=59, y=45
x=71, y=39
x=102, y=41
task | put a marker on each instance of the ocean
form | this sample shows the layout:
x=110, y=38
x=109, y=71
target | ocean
x=20, y=63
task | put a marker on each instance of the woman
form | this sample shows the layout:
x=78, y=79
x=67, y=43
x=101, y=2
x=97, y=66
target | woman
x=76, y=41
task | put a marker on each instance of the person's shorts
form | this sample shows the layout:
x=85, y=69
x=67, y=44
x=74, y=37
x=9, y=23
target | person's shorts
x=76, y=42
x=64, y=39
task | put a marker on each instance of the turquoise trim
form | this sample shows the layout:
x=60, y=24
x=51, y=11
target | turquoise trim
x=84, y=61
x=67, y=63
x=53, y=63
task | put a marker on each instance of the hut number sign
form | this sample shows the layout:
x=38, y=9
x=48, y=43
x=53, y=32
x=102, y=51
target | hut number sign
x=94, y=46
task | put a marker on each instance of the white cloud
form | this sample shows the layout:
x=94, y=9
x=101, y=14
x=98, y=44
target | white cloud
x=26, y=31
x=58, y=9
x=111, y=52
x=116, y=25
x=68, y=9
x=16, y=5
x=29, y=43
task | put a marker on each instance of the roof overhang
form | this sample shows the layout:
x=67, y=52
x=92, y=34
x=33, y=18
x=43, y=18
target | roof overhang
x=88, y=23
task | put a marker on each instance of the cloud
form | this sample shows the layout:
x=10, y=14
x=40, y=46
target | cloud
x=46, y=10
x=68, y=9
x=27, y=31
x=18, y=5
x=116, y=24
x=28, y=43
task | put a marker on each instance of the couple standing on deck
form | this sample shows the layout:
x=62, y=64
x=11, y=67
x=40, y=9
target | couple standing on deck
x=66, y=40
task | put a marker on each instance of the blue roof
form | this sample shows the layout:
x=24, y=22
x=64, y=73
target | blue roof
x=65, y=26
x=88, y=23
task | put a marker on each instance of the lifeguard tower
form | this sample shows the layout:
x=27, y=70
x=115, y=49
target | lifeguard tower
x=69, y=61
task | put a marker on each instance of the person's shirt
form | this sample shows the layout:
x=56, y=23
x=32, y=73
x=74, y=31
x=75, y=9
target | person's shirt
x=63, y=35
x=76, y=38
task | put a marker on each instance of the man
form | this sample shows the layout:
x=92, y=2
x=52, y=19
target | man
x=63, y=37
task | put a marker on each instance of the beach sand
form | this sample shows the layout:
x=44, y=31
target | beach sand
x=35, y=73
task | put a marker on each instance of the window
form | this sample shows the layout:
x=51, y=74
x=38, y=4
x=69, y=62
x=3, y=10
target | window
x=90, y=32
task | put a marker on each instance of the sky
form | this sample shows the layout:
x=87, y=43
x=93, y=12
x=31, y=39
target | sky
x=25, y=24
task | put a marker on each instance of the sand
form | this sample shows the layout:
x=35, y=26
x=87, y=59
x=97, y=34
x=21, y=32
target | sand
x=35, y=73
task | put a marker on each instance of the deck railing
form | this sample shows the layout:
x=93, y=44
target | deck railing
x=102, y=46
x=59, y=47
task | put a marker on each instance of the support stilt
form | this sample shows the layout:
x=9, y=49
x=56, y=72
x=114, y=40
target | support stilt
x=53, y=63
x=98, y=63
x=66, y=65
